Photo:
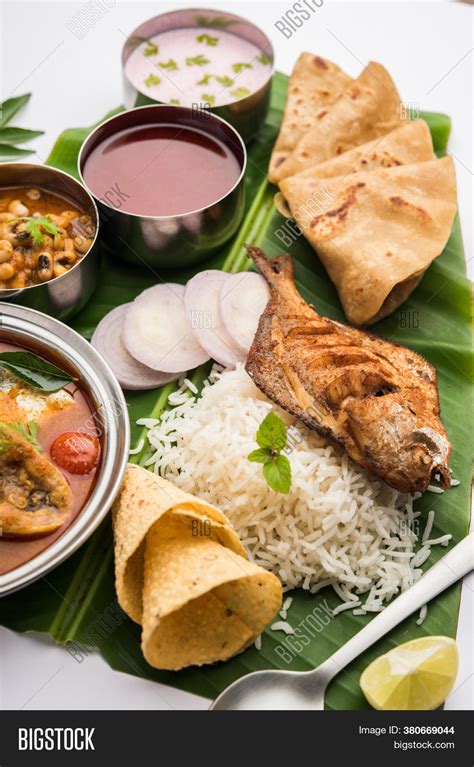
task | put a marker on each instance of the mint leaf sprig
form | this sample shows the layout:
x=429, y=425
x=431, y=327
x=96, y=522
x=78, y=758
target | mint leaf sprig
x=271, y=438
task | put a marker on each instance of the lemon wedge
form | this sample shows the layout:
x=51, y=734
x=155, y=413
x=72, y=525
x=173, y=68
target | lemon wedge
x=416, y=676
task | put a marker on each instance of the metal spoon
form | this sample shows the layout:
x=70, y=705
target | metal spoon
x=289, y=690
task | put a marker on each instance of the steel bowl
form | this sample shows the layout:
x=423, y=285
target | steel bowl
x=63, y=296
x=247, y=115
x=168, y=241
x=26, y=326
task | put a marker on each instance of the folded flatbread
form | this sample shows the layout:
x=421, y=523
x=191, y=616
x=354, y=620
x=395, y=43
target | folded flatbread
x=314, y=85
x=182, y=573
x=408, y=143
x=376, y=232
x=368, y=109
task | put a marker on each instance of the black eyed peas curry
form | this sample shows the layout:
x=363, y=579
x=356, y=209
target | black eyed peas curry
x=42, y=236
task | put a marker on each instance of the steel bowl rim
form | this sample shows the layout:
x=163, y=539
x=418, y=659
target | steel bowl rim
x=102, y=384
x=176, y=215
x=205, y=10
x=16, y=291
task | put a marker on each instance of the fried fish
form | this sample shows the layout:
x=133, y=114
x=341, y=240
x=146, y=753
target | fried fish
x=35, y=498
x=376, y=399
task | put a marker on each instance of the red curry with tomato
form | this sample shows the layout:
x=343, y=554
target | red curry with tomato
x=68, y=436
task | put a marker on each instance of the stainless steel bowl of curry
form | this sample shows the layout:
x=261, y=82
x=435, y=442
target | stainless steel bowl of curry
x=49, y=248
x=64, y=440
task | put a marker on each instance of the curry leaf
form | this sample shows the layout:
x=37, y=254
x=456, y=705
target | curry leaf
x=8, y=152
x=18, y=135
x=35, y=371
x=277, y=472
x=11, y=136
x=10, y=107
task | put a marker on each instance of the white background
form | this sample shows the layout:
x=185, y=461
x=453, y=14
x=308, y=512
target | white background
x=427, y=47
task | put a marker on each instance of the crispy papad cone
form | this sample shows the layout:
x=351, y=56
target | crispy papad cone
x=177, y=561
x=410, y=142
x=202, y=602
x=377, y=232
x=143, y=499
x=314, y=85
x=368, y=109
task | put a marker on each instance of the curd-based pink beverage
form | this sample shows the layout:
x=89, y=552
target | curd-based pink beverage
x=198, y=65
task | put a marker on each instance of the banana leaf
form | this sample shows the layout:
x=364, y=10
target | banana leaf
x=74, y=603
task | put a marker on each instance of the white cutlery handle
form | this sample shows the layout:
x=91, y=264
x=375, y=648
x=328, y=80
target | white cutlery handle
x=453, y=566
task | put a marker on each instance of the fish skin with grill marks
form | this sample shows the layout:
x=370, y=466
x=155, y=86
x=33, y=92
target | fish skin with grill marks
x=376, y=399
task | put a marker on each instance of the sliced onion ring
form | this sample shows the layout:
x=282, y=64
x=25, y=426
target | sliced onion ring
x=157, y=332
x=242, y=301
x=108, y=341
x=201, y=301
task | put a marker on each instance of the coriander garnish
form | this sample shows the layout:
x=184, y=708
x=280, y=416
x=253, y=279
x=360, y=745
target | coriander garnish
x=34, y=225
x=29, y=431
x=205, y=80
x=170, y=65
x=240, y=93
x=205, y=38
x=239, y=66
x=198, y=60
x=225, y=81
x=152, y=80
x=218, y=22
x=151, y=49
x=271, y=438
x=208, y=99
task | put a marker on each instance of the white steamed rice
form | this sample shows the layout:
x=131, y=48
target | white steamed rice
x=337, y=526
